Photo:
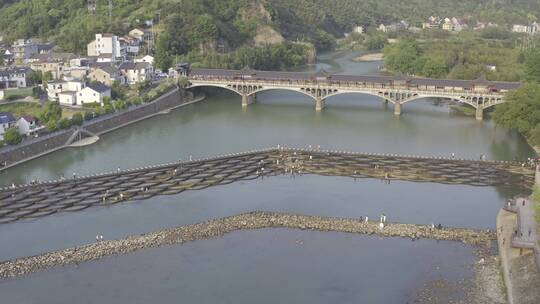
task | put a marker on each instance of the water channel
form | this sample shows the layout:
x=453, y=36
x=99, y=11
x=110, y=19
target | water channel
x=244, y=270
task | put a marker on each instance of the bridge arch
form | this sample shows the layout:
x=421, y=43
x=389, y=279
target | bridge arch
x=314, y=98
x=215, y=86
x=460, y=100
x=361, y=93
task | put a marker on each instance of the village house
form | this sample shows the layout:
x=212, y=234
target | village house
x=61, y=90
x=107, y=74
x=432, y=23
x=56, y=63
x=7, y=120
x=532, y=28
x=14, y=77
x=394, y=27
x=93, y=93
x=140, y=34
x=28, y=125
x=453, y=25
x=24, y=49
x=136, y=72
x=146, y=58
x=106, y=45
x=132, y=45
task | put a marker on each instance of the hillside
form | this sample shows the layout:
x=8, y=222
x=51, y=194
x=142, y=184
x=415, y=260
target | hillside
x=71, y=25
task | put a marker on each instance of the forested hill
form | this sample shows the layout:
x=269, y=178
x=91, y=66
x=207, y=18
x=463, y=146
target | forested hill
x=237, y=22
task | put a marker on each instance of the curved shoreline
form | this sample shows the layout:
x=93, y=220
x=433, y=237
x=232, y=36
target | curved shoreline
x=218, y=227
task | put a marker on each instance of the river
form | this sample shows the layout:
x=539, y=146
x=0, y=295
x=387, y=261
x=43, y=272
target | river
x=219, y=125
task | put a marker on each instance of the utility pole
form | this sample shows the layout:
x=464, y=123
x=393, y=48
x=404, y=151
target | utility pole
x=110, y=10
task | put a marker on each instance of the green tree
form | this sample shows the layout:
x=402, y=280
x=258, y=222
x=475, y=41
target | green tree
x=532, y=66
x=434, y=67
x=12, y=137
x=64, y=123
x=52, y=125
x=35, y=77
x=51, y=111
x=47, y=76
x=117, y=91
x=521, y=111
x=77, y=119
x=402, y=56
x=375, y=42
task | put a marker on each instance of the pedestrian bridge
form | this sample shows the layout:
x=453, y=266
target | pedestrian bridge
x=479, y=94
x=18, y=202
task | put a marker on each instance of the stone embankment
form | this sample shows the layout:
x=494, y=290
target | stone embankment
x=219, y=227
x=37, y=147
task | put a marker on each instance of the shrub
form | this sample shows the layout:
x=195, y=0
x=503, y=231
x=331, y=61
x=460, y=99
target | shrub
x=77, y=119
x=12, y=137
x=64, y=123
x=88, y=115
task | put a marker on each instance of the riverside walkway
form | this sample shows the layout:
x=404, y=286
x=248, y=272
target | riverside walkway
x=80, y=192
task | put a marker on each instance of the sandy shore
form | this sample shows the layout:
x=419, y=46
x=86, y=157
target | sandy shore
x=369, y=57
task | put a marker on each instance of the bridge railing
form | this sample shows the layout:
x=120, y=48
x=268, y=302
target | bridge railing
x=348, y=86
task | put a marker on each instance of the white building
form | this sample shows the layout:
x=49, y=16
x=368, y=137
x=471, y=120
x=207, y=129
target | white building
x=136, y=72
x=106, y=44
x=28, y=125
x=358, y=29
x=67, y=98
x=532, y=28
x=93, y=93
x=67, y=87
x=13, y=77
x=147, y=58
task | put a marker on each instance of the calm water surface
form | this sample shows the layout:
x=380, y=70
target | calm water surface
x=267, y=266
x=219, y=125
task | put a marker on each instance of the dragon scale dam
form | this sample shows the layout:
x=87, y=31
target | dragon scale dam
x=40, y=198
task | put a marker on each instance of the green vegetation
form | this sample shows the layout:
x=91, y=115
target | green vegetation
x=463, y=56
x=12, y=137
x=523, y=111
x=187, y=26
x=22, y=108
x=12, y=94
x=269, y=57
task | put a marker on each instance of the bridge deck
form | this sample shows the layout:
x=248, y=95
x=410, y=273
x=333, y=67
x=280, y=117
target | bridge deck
x=337, y=78
x=45, y=198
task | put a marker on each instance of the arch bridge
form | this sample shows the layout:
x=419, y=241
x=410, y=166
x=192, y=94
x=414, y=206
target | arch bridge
x=479, y=94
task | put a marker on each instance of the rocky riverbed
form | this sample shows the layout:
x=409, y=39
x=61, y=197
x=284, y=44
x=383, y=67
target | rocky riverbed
x=218, y=227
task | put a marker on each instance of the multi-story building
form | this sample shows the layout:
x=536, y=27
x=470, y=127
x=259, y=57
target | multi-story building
x=14, y=77
x=136, y=72
x=106, y=44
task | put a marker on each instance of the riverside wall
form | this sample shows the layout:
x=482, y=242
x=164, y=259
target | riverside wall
x=219, y=227
x=37, y=147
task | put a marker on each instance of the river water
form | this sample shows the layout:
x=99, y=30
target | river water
x=219, y=125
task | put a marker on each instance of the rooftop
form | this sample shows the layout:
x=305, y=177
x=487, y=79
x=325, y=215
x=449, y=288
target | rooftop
x=6, y=117
x=98, y=87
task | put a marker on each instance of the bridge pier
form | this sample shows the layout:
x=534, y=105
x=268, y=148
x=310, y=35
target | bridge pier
x=247, y=100
x=397, y=108
x=319, y=104
x=479, y=113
